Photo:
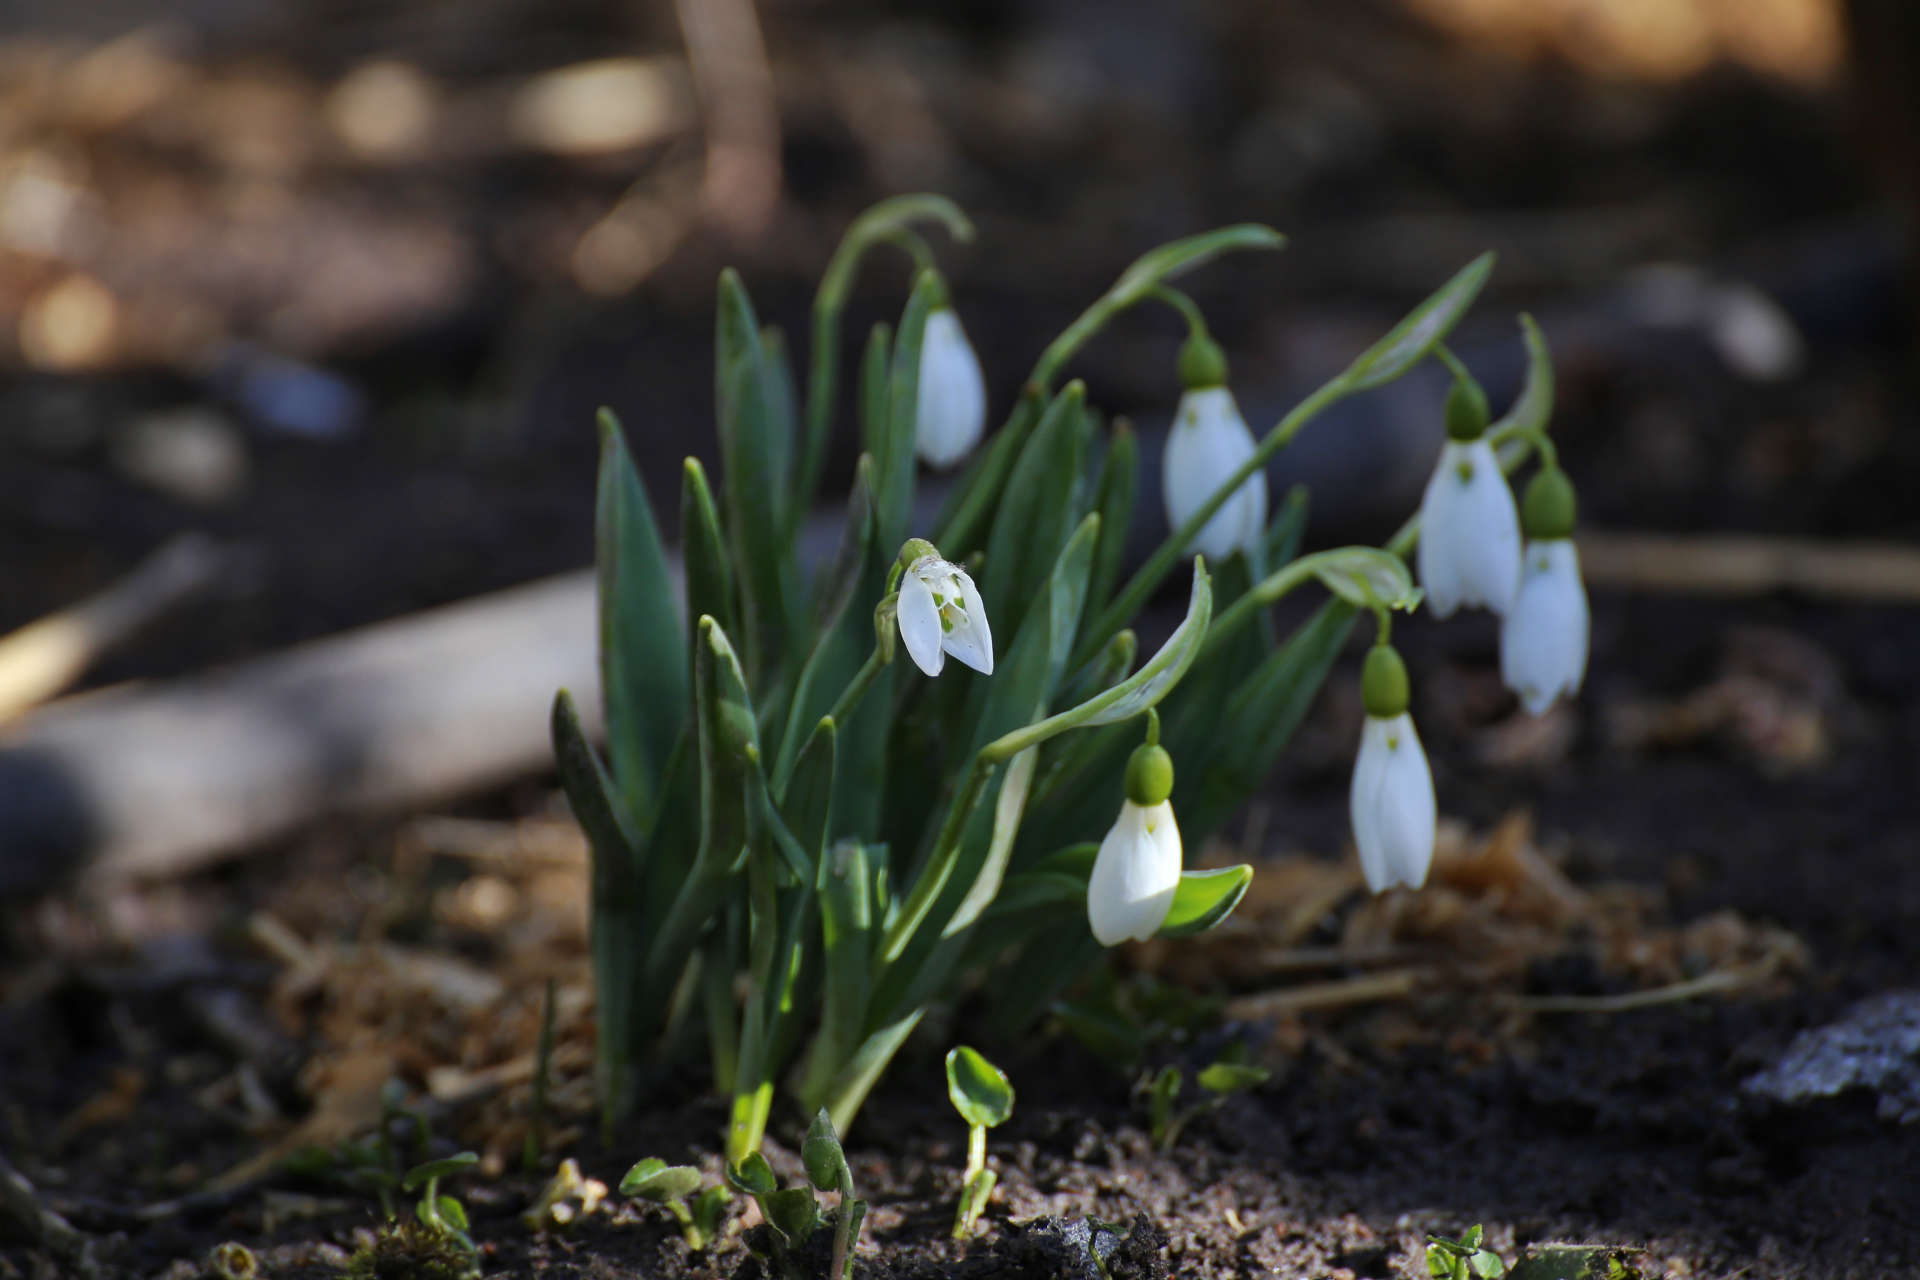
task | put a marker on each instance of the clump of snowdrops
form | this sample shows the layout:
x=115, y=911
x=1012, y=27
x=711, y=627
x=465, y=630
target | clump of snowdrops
x=801, y=844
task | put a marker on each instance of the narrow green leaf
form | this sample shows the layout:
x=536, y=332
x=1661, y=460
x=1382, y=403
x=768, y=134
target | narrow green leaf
x=854, y=1080
x=753, y=1176
x=1170, y=261
x=656, y=1180
x=846, y=925
x=1119, y=479
x=893, y=460
x=1036, y=512
x=595, y=805
x=1534, y=405
x=842, y=577
x=1007, y=808
x=643, y=656
x=1204, y=899
x=1408, y=342
x=703, y=550
x=981, y=1092
x=809, y=804
x=1363, y=576
x=1281, y=542
x=421, y=1174
x=1107, y=1034
x=757, y=456
x=783, y=399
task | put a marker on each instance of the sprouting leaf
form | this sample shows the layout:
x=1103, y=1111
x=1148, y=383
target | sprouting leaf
x=420, y=1174
x=980, y=1091
x=654, y=1179
x=452, y=1212
x=703, y=550
x=821, y=1153
x=753, y=1175
x=1204, y=899
x=1408, y=342
x=1223, y=1078
x=793, y=1212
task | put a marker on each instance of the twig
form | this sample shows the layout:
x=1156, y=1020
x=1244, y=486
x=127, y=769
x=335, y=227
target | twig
x=44, y=657
x=1395, y=984
x=1741, y=566
x=1706, y=984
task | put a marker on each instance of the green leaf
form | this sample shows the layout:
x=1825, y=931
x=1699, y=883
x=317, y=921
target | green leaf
x=591, y=796
x=1281, y=543
x=1170, y=261
x=703, y=550
x=842, y=577
x=793, y=1212
x=783, y=399
x=643, y=656
x=875, y=362
x=1363, y=576
x=421, y=1174
x=1230, y=1077
x=753, y=1175
x=453, y=1213
x=1161, y=1096
x=1408, y=342
x=808, y=808
x=981, y=1092
x=1204, y=899
x=846, y=925
x=1036, y=514
x=756, y=455
x=893, y=460
x=1534, y=405
x=656, y=1180
x=822, y=1155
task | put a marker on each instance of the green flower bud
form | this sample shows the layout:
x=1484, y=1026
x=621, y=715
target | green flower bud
x=936, y=290
x=1466, y=411
x=914, y=550
x=1548, y=509
x=1149, y=775
x=1202, y=363
x=1383, y=683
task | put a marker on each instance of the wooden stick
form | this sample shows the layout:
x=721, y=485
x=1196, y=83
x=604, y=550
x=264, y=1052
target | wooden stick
x=44, y=657
x=154, y=780
x=1720, y=980
x=1395, y=984
x=1737, y=565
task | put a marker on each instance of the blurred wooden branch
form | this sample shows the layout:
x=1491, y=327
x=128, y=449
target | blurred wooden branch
x=154, y=780
x=44, y=657
x=1739, y=565
x=735, y=84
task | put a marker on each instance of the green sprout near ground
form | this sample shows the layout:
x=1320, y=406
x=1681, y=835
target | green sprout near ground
x=1218, y=1081
x=677, y=1188
x=983, y=1096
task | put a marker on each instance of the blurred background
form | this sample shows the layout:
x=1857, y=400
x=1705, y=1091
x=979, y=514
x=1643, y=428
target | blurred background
x=342, y=283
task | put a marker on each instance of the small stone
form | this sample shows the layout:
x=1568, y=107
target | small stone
x=1874, y=1047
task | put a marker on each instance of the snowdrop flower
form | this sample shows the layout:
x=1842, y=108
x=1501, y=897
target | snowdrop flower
x=1392, y=803
x=1138, y=867
x=1208, y=442
x=1543, y=640
x=951, y=412
x=1469, y=530
x=940, y=612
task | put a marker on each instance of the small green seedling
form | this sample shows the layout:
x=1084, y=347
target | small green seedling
x=372, y=1166
x=983, y=1096
x=1463, y=1259
x=568, y=1197
x=444, y=1214
x=792, y=1214
x=827, y=1169
x=677, y=1187
x=1218, y=1082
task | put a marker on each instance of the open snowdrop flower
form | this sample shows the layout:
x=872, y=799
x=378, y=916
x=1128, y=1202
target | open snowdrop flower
x=940, y=612
x=1543, y=639
x=951, y=412
x=1208, y=442
x=1392, y=804
x=1469, y=529
x=1138, y=867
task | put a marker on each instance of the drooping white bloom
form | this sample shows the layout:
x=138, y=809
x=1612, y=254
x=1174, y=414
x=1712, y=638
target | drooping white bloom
x=1392, y=804
x=940, y=613
x=1543, y=639
x=1469, y=532
x=1208, y=442
x=951, y=412
x=1135, y=874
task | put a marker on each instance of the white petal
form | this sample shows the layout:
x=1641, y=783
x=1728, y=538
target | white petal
x=1392, y=804
x=1469, y=532
x=1209, y=440
x=1362, y=805
x=971, y=641
x=920, y=623
x=1543, y=641
x=1134, y=875
x=951, y=411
